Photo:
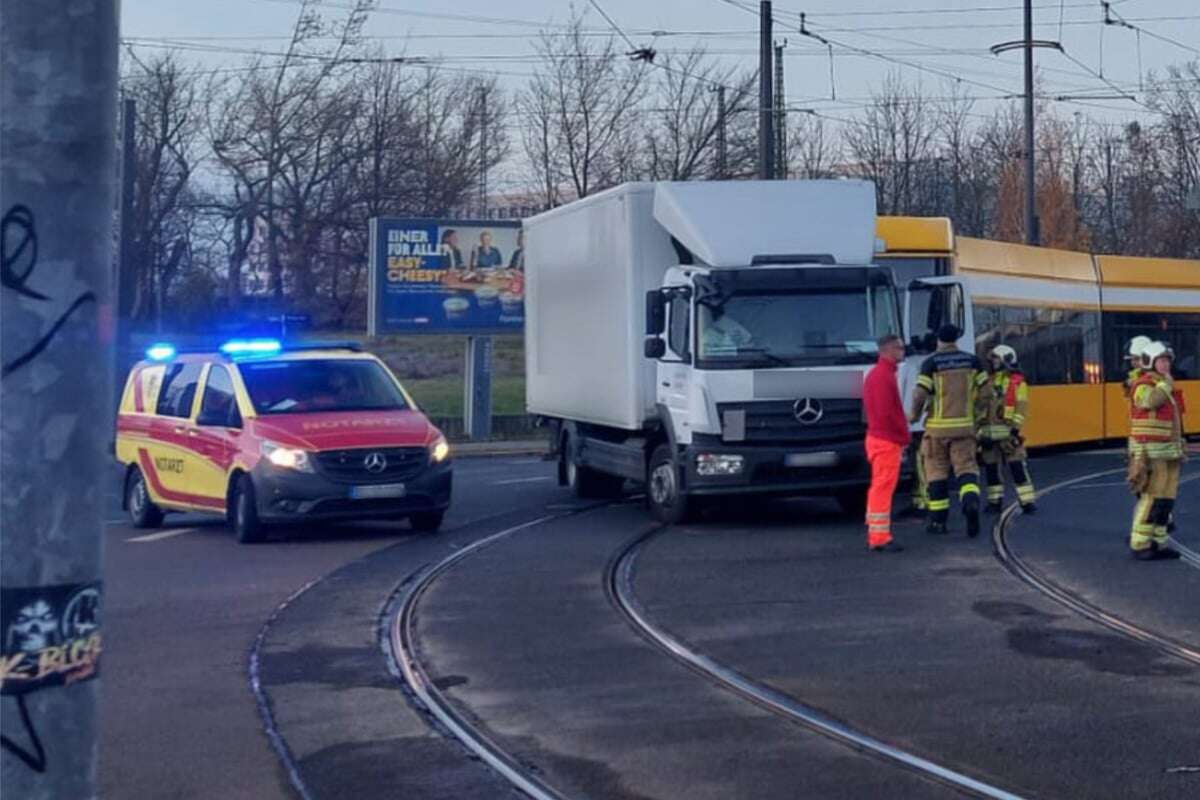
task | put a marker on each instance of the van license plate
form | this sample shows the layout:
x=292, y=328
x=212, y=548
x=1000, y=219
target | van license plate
x=822, y=459
x=376, y=492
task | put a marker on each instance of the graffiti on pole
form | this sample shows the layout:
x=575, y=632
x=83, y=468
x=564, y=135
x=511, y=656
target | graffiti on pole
x=18, y=260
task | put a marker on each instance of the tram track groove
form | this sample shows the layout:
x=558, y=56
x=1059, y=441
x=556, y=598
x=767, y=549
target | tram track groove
x=619, y=583
x=1032, y=577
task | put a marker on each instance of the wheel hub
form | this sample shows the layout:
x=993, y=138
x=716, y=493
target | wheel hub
x=662, y=485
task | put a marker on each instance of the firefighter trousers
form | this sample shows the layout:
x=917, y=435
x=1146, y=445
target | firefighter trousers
x=919, y=493
x=940, y=455
x=1155, y=503
x=996, y=456
x=884, y=458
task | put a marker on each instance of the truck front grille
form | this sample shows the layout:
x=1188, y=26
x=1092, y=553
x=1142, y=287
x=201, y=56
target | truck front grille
x=775, y=421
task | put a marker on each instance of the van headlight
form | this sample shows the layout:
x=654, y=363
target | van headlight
x=439, y=451
x=287, y=457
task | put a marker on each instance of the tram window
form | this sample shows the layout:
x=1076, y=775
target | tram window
x=1181, y=331
x=1053, y=345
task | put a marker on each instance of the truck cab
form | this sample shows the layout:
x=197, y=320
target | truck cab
x=760, y=373
x=710, y=339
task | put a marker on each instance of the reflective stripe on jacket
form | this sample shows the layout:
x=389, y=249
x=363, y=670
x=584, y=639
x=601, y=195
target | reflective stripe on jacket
x=948, y=389
x=1155, y=418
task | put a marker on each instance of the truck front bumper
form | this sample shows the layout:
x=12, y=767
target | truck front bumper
x=780, y=469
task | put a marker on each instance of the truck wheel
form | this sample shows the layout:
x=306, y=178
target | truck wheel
x=853, y=502
x=426, y=521
x=667, y=503
x=142, y=511
x=586, y=482
x=246, y=525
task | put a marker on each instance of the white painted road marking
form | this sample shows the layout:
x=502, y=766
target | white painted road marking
x=155, y=537
x=521, y=480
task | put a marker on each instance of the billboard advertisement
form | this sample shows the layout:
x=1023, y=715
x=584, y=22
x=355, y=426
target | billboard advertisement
x=446, y=276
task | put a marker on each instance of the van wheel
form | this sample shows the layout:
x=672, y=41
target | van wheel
x=142, y=511
x=667, y=502
x=586, y=482
x=426, y=521
x=246, y=525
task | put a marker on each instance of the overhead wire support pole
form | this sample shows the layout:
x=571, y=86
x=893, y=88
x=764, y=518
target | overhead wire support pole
x=722, y=142
x=766, y=117
x=780, y=104
x=1028, y=43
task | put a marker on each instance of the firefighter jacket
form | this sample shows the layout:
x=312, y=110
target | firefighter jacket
x=1155, y=418
x=1005, y=406
x=949, y=389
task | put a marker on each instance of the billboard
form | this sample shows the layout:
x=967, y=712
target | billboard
x=446, y=276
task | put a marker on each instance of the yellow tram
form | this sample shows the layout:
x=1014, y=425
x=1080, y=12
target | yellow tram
x=1069, y=315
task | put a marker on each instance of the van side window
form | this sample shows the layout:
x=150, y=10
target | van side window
x=677, y=336
x=178, y=390
x=218, y=406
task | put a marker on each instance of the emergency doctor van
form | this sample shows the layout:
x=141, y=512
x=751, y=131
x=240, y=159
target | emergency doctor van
x=264, y=434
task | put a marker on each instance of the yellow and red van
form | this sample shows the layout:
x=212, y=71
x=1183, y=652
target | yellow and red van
x=265, y=434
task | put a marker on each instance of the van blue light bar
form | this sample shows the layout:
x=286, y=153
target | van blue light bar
x=251, y=347
x=160, y=351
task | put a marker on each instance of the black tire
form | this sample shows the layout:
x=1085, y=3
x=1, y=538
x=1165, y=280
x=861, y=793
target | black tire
x=586, y=482
x=426, y=521
x=142, y=511
x=853, y=502
x=667, y=503
x=244, y=515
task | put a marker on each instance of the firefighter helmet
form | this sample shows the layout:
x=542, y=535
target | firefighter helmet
x=1136, y=345
x=1003, y=356
x=1152, y=352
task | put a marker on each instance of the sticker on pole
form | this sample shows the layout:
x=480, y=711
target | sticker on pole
x=51, y=636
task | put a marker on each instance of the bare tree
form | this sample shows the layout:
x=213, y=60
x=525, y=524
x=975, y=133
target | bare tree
x=577, y=106
x=167, y=96
x=893, y=144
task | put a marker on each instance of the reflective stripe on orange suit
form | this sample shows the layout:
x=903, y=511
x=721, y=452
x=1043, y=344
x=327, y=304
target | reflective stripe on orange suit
x=884, y=457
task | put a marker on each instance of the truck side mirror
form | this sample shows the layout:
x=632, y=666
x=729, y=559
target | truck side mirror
x=655, y=347
x=656, y=314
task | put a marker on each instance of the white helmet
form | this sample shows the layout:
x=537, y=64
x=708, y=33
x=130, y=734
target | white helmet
x=1152, y=352
x=1136, y=345
x=1004, y=356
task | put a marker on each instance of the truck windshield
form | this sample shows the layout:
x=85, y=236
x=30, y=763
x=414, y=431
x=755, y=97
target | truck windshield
x=796, y=326
x=310, y=386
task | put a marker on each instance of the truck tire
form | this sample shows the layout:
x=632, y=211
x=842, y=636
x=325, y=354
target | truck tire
x=667, y=502
x=585, y=482
x=853, y=501
x=426, y=521
x=142, y=511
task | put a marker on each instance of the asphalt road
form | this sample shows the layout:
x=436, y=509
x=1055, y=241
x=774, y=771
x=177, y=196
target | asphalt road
x=939, y=651
x=183, y=607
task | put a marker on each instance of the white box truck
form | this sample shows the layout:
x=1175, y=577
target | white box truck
x=708, y=338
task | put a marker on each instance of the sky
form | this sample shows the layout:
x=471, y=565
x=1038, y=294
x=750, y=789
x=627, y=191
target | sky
x=934, y=43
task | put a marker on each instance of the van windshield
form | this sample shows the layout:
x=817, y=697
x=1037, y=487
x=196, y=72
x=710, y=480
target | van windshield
x=795, y=325
x=304, y=387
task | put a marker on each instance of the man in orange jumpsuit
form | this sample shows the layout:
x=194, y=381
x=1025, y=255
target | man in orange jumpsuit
x=887, y=436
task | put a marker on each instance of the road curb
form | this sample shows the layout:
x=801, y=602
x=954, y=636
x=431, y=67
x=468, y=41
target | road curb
x=533, y=447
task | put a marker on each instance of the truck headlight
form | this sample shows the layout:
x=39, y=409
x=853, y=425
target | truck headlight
x=287, y=457
x=711, y=464
x=439, y=451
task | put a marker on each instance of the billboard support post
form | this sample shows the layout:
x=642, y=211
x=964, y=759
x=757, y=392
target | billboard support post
x=477, y=388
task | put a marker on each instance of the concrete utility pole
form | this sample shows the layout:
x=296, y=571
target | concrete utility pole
x=1031, y=220
x=483, y=152
x=781, y=169
x=126, y=269
x=722, y=146
x=58, y=147
x=766, y=133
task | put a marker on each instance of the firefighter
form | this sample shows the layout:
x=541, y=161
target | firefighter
x=1156, y=453
x=1005, y=410
x=949, y=389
